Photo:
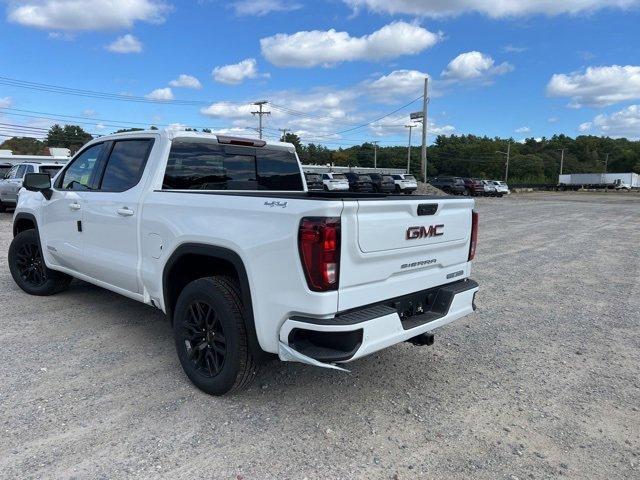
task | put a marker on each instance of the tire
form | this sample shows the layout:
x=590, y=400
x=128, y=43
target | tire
x=209, y=318
x=3, y=208
x=29, y=270
x=466, y=192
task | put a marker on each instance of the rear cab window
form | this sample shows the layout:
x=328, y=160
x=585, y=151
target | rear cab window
x=203, y=164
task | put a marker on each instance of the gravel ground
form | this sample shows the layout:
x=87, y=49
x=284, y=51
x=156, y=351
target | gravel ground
x=543, y=381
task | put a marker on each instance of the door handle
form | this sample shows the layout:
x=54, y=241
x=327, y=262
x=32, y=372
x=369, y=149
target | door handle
x=125, y=212
x=74, y=206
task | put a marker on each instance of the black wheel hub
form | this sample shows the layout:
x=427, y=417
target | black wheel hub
x=204, y=339
x=31, y=268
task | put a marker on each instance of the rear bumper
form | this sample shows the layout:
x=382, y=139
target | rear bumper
x=359, y=332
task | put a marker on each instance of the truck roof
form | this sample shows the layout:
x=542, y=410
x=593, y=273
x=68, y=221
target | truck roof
x=171, y=134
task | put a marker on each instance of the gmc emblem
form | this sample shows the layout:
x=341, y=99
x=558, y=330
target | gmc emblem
x=414, y=233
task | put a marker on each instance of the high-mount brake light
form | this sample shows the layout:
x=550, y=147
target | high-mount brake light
x=245, y=142
x=474, y=235
x=319, y=245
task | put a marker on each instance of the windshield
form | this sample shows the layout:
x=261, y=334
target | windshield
x=409, y=177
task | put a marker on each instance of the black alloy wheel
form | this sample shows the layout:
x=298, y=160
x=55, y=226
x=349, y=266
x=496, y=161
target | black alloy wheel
x=204, y=339
x=30, y=266
x=210, y=334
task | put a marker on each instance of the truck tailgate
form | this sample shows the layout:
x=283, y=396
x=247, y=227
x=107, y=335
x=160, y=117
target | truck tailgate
x=393, y=247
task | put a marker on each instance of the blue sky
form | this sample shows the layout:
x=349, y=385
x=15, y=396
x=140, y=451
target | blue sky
x=527, y=68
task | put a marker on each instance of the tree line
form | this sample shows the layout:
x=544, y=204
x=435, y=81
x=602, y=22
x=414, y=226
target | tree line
x=535, y=161
x=531, y=161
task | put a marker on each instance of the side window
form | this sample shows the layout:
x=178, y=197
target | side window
x=29, y=169
x=12, y=173
x=325, y=176
x=21, y=171
x=204, y=165
x=125, y=165
x=80, y=174
x=278, y=170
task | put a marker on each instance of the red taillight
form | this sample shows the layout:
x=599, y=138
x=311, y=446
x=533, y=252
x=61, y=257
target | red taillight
x=319, y=244
x=474, y=235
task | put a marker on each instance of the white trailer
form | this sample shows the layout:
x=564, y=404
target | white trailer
x=599, y=180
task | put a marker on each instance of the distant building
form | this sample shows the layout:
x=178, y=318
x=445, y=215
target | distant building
x=61, y=155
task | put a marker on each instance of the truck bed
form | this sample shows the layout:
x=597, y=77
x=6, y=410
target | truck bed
x=336, y=195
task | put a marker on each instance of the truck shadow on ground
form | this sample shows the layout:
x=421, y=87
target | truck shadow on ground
x=145, y=325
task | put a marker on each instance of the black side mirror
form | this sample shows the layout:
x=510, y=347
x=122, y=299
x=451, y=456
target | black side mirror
x=38, y=182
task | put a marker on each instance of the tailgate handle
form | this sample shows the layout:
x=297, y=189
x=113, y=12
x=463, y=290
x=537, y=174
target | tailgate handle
x=427, y=209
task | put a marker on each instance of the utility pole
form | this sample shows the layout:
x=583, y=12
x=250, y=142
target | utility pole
x=375, y=154
x=508, y=155
x=561, y=160
x=284, y=133
x=260, y=113
x=410, y=127
x=425, y=102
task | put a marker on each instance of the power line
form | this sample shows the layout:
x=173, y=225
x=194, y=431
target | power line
x=44, y=87
x=376, y=119
x=91, y=120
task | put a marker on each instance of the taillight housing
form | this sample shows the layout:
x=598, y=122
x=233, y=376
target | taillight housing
x=319, y=245
x=474, y=235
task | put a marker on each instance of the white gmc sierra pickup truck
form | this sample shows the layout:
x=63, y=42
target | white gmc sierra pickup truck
x=221, y=234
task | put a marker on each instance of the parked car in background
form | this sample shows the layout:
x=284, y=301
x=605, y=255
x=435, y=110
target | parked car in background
x=314, y=181
x=489, y=188
x=405, y=183
x=335, y=182
x=383, y=183
x=474, y=187
x=501, y=188
x=11, y=184
x=359, y=182
x=450, y=185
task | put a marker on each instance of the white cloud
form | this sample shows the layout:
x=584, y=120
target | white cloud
x=329, y=47
x=553, y=119
x=186, y=81
x=474, y=66
x=523, y=130
x=624, y=123
x=228, y=110
x=89, y=112
x=491, y=8
x=597, y=86
x=395, y=125
x=86, y=14
x=160, y=94
x=237, y=73
x=6, y=102
x=263, y=7
x=399, y=83
x=125, y=44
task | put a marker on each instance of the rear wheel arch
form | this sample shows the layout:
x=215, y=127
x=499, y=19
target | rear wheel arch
x=192, y=261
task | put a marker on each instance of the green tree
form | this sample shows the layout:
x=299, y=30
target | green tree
x=24, y=146
x=69, y=136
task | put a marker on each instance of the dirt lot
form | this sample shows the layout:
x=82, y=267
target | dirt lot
x=543, y=381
